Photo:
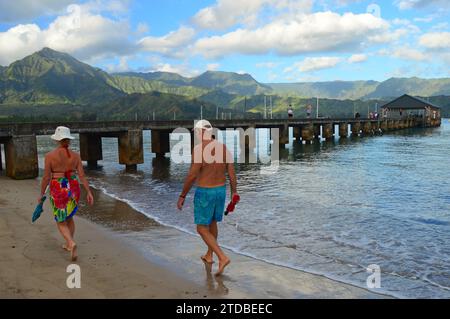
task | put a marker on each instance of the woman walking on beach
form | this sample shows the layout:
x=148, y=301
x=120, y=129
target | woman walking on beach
x=63, y=171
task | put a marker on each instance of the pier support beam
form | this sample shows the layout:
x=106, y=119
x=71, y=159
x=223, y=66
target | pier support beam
x=298, y=133
x=391, y=125
x=356, y=128
x=367, y=128
x=91, y=149
x=343, y=130
x=384, y=125
x=284, y=135
x=21, y=157
x=375, y=126
x=131, y=149
x=328, y=131
x=308, y=133
x=161, y=142
x=317, y=131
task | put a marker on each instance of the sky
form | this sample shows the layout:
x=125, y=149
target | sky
x=276, y=41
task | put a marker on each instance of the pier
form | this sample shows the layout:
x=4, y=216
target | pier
x=19, y=139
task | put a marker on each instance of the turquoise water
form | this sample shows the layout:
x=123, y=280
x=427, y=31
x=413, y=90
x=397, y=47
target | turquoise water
x=332, y=208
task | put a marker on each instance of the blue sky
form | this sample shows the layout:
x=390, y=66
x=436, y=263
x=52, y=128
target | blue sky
x=273, y=40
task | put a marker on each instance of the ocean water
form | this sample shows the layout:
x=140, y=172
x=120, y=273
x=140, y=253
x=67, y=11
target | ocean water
x=333, y=208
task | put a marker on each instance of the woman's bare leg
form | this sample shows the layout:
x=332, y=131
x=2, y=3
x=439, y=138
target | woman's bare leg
x=70, y=243
x=71, y=225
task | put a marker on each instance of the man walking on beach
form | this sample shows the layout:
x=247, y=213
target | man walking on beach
x=210, y=162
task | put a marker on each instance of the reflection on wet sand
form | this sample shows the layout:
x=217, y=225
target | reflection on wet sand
x=215, y=284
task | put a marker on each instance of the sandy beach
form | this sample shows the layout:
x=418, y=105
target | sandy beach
x=124, y=254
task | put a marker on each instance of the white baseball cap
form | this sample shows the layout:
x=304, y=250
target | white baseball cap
x=204, y=125
x=62, y=133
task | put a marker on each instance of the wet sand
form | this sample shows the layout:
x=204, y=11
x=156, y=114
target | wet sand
x=124, y=254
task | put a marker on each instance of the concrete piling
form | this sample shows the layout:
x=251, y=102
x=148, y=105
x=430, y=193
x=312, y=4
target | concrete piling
x=328, y=131
x=161, y=142
x=343, y=130
x=298, y=133
x=308, y=133
x=284, y=135
x=91, y=149
x=356, y=128
x=317, y=131
x=22, y=157
x=367, y=128
x=131, y=149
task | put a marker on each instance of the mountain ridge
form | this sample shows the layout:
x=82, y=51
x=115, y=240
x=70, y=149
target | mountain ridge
x=52, y=77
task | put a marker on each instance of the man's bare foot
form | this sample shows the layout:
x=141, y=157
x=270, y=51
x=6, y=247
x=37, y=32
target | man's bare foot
x=64, y=246
x=73, y=252
x=207, y=259
x=222, y=265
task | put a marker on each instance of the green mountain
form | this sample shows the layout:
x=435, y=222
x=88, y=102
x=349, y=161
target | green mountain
x=133, y=84
x=163, y=105
x=395, y=87
x=49, y=76
x=166, y=77
x=332, y=90
x=50, y=84
x=229, y=82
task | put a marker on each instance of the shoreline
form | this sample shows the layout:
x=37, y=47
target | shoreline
x=161, y=262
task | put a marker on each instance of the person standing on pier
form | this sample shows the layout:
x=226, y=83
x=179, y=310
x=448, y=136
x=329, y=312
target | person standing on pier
x=290, y=111
x=308, y=111
x=63, y=171
x=210, y=162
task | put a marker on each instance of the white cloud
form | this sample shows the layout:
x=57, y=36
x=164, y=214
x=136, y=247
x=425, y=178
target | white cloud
x=357, y=58
x=121, y=67
x=213, y=66
x=20, y=10
x=182, y=69
x=85, y=35
x=317, y=32
x=314, y=64
x=417, y=4
x=426, y=19
x=26, y=10
x=436, y=40
x=406, y=53
x=267, y=65
x=227, y=13
x=142, y=28
x=171, y=44
x=386, y=37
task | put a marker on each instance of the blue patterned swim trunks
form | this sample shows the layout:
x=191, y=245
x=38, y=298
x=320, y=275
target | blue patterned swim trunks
x=209, y=205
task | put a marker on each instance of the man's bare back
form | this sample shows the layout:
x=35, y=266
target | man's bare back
x=212, y=172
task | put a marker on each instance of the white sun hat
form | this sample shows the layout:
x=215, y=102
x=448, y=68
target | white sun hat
x=204, y=125
x=62, y=133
